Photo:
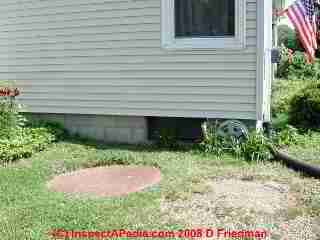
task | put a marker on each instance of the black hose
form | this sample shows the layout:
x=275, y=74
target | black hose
x=296, y=165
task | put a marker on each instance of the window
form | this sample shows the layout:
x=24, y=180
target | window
x=203, y=24
x=204, y=18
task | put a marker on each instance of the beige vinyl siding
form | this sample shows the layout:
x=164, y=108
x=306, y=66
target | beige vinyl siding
x=105, y=57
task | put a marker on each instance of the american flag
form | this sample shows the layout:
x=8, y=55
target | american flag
x=302, y=15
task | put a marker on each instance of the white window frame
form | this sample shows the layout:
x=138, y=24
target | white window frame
x=168, y=40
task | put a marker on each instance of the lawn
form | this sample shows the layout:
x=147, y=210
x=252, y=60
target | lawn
x=197, y=190
x=28, y=210
x=308, y=148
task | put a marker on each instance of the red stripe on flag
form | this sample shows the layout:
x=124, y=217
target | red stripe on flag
x=299, y=22
x=305, y=28
x=296, y=14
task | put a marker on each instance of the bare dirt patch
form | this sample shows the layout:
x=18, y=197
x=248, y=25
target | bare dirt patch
x=244, y=205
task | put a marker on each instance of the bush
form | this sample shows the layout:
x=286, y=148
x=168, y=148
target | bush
x=288, y=37
x=286, y=59
x=293, y=65
x=27, y=140
x=305, y=107
x=19, y=139
x=282, y=93
x=10, y=119
x=300, y=69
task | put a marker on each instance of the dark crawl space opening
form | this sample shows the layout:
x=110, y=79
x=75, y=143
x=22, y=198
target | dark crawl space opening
x=184, y=129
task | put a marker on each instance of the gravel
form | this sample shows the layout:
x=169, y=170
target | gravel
x=243, y=205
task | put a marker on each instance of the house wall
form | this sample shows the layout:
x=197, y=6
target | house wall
x=104, y=57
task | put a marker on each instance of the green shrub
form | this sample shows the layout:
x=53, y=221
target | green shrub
x=288, y=37
x=299, y=69
x=10, y=119
x=293, y=65
x=18, y=138
x=27, y=140
x=283, y=66
x=305, y=107
x=282, y=93
x=282, y=133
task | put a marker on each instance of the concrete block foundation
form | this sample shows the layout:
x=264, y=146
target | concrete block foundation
x=112, y=129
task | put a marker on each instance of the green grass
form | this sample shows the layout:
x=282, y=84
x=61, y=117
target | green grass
x=308, y=149
x=28, y=210
x=308, y=145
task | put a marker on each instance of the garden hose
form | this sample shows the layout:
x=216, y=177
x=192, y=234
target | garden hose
x=295, y=164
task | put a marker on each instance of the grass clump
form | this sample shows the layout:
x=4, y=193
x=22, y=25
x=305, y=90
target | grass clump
x=212, y=142
x=253, y=147
x=256, y=147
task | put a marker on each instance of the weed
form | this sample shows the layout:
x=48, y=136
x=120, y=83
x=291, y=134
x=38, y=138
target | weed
x=213, y=142
x=287, y=136
x=256, y=147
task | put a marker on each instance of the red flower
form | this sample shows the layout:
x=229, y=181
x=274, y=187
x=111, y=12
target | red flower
x=6, y=92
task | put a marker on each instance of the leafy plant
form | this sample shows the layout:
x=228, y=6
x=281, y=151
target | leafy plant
x=256, y=147
x=300, y=69
x=212, y=142
x=284, y=34
x=288, y=37
x=10, y=119
x=282, y=93
x=26, y=141
x=286, y=59
x=293, y=65
x=286, y=136
x=305, y=107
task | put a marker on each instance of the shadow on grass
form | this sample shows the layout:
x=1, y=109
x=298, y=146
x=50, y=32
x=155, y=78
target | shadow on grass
x=183, y=147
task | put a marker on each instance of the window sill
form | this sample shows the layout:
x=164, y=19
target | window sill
x=203, y=44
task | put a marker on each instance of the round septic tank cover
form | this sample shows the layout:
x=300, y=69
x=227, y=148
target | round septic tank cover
x=106, y=181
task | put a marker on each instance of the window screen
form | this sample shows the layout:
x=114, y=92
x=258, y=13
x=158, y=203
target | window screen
x=204, y=18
